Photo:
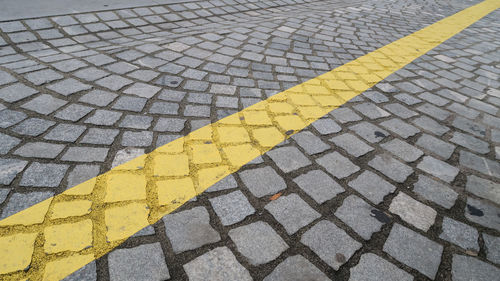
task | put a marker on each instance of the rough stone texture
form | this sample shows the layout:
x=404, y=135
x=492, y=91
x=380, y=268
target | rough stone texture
x=43, y=175
x=460, y=234
x=438, y=168
x=262, y=181
x=232, y=208
x=296, y=268
x=190, y=229
x=288, y=158
x=361, y=217
x=414, y=250
x=492, y=245
x=292, y=212
x=373, y=187
x=351, y=144
x=483, y=188
x=332, y=244
x=435, y=191
x=123, y=263
x=374, y=268
x=217, y=264
x=412, y=211
x=337, y=165
x=9, y=168
x=318, y=185
x=482, y=213
x=466, y=268
x=258, y=242
x=390, y=167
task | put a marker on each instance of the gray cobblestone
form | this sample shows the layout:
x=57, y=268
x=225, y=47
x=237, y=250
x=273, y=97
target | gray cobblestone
x=470, y=142
x=435, y=145
x=468, y=268
x=482, y=213
x=325, y=238
x=318, y=185
x=43, y=175
x=20, y=201
x=435, y=191
x=258, y=242
x=296, y=268
x=374, y=268
x=10, y=169
x=123, y=263
x=33, y=127
x=190, y=229
x=39, y=150
x=288, y=159
x=438, y=168
x=483, y=188
x=414, y=250
x=292, y=212
x=85, y=154
x=73, y=112
x=337, y=165
x=351, y=144
x=217, y=264
x=390, y=167
x=232, y=208
x=460, y=234
x=262, y=181
x=7, y=143
x=360, y=216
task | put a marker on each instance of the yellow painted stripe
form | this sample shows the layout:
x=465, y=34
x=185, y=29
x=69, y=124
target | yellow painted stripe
x=56, y=237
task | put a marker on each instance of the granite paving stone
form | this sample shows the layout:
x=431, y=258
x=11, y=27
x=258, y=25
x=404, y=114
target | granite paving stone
x=412, y=211
x=10, y=169
x=39, y=150
x=292, y=212
x=373, y=187
x=374, y=268
x=43, y=175
x=217, y=264
x=351, y=144
x=190, y=229
x=438, y=168
x=318, y=185
x=361, y=217
x=7, y=143
x=483, y=188
x=482, y=213
x=325, y=239
x=337, y=165
x=232, y=208
x=262, y=181
x=492, y=245
x=258, y=242
x=296, y=268
x=288, y=159
x=414, y=250
x=460, y=234
x=469, y=268
x=123, y=263
x=435, y=191
x=391, y=167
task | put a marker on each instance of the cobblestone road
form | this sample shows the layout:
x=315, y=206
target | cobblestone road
x=400, y=183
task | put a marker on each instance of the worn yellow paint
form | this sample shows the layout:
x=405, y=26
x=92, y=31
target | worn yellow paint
x=63, y=233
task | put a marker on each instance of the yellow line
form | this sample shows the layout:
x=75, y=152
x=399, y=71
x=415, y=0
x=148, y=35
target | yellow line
x=54, y=238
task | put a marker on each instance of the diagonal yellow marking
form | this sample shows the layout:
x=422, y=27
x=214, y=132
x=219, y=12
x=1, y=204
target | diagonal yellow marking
x=54, y=238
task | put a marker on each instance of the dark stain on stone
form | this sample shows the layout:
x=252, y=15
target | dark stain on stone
x=379, y=134
x=475, y=211
x=340, y=258
x=380, y=216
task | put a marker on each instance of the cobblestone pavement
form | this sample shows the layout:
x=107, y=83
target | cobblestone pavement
x=400, y=183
